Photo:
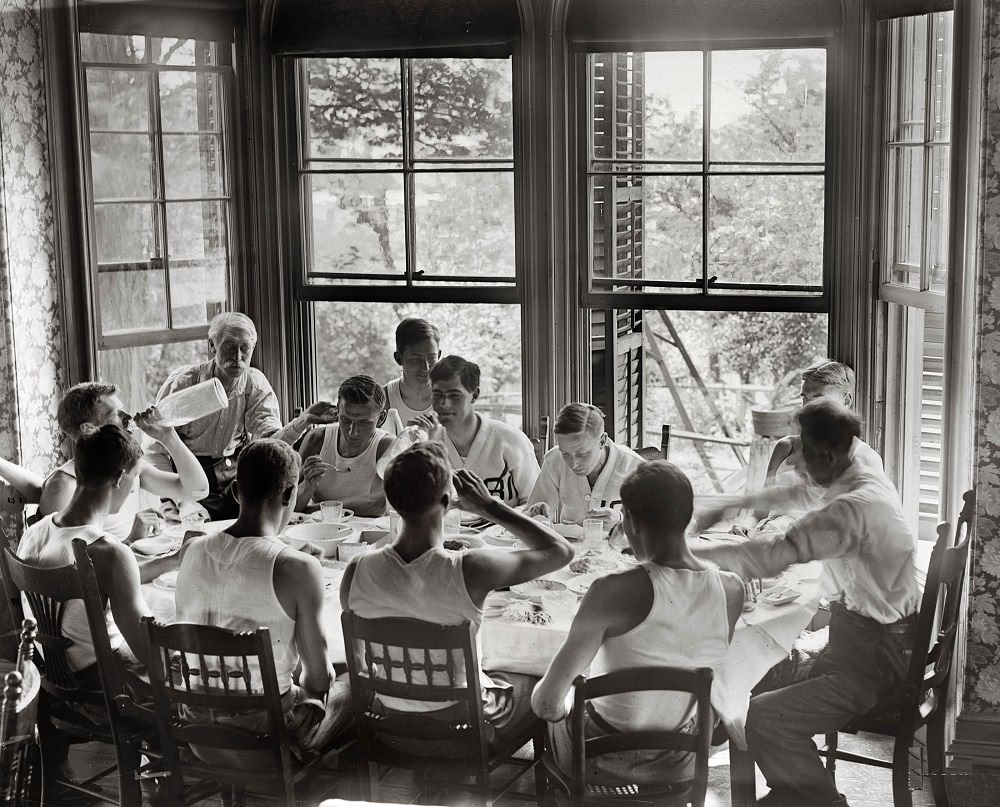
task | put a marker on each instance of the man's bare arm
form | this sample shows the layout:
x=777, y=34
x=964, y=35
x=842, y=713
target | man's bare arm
x=299, y=583
x=117, y=574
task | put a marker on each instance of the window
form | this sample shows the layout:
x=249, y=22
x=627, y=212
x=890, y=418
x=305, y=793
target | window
x=706, y=183
x=913, y=253
x=405, y=186
x=159, y=187
x=407, y=172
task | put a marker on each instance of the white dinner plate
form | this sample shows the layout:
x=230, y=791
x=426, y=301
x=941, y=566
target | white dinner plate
x=589, y=563
x=459, y=543
x=582, y=583
x=781, y=596
x=534, y=589
x=156, y=545
x=167, y=580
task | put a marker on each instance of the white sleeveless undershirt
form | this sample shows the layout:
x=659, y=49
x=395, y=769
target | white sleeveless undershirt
x=228, y=582
x=405, y=412
x=49, y=546
x=350, y=476
x=431, y=587
x=687, y=626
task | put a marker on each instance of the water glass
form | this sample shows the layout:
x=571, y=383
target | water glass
x=332, y=511
x=593, y=530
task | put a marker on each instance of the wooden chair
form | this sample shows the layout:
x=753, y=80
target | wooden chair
x=234, y=673
x=698, y=682
x=383, y=657
x=661, y=453
x=921, y=700
x=66, y=702
x=541, y=443
x=20, y=761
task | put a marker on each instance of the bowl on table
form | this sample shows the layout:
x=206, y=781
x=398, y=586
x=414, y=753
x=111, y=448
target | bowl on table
x=324, y=535
x=156, y=545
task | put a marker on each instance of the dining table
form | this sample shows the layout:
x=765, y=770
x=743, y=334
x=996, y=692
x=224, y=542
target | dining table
x=763, y=636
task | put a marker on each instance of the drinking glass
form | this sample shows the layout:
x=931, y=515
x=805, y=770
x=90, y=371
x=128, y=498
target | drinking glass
x=593, y=530
x=332, y=511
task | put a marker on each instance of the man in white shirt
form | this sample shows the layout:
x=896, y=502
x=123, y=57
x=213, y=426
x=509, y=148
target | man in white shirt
x=500, y=454
x=868, y=551
x=582, y=476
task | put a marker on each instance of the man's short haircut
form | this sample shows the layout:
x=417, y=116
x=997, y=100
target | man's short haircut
x=829, y=425
x=266, y=469
x=229, y=321
x=658, y=495
x=363, y=390
x=450, y=366
x=576, y=418
x=413, y=330
x=102, y=453
x=79, y=405
x=416, y=480
x=828, y=373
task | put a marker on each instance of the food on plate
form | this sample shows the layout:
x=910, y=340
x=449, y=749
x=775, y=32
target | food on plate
x=525, y=611
x=591, y=562
x=456, y=544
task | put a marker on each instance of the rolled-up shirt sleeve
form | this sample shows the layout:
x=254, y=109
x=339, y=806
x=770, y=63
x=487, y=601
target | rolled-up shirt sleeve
x=834, y=531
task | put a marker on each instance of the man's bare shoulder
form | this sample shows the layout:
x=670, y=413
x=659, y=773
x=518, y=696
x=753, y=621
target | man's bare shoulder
x=623, y=599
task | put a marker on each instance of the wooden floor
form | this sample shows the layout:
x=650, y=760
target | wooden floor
x=863, y=786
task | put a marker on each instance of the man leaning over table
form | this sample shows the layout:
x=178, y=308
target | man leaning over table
x=416, y=577
x=673, y=610
x=252, y=413
x=868, y=548
x=247, y=577
x=582, y=476
x=501, y=455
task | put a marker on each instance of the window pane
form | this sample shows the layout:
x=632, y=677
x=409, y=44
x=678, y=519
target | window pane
x=118, y=100
x=122, y=166
x=937, y=225
x=941, y=76
x=908, y=79
x=674, y=106
x=905, y=214
x=355, y=108
x=196, y=230
x=192, y=166
x=112, y=48
x=190, y=102
x=354, y=338
x=462, y=108
x=673, y=225
x=465, y=223
x=768, y=105
x=766, y=229
x=132, y=298
x=173, y=51
x=197, y=290
x=139, y=372
x=125, y=233
x=355, y=223
x=740, y=359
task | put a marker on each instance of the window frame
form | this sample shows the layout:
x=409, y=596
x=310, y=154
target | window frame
x=741, y=298
x=446, y=288
x=225, y=69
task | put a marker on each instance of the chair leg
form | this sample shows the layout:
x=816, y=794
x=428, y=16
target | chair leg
x=484, y=788
x=831, y=761
x=901, y=796
x=541, y=781
x=129, y=762
x=373, y=788
x=936, y=761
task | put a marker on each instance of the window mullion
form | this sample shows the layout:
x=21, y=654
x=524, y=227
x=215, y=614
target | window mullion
x=928, y=149
x=409, y=210
x=161, y=190
x=706, y=139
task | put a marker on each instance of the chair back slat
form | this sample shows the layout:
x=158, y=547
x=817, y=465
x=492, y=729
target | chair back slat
x=445, y=657
x=937, y=621
x=195, y=668
x=697, y=682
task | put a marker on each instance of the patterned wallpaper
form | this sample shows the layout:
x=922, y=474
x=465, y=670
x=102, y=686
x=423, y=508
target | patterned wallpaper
x=29, y=305
x=982, y=682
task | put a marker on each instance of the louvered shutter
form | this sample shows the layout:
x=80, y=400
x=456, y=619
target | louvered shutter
x=616, y=335
x=931, y=399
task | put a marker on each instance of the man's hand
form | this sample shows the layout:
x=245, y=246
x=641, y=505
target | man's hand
x=145, y=524
x=311, y=549
x=606, y=515
x=710, y=516
x=472, y=493
x=313, y=469
x=428, y=422
x=539, y=509
x=321, y=413
x=150, y=422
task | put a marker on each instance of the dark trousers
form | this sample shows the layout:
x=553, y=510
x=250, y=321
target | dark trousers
x=863, y=663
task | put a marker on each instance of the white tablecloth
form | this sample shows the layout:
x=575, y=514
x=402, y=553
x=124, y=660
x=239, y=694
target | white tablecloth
x=762, y=638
